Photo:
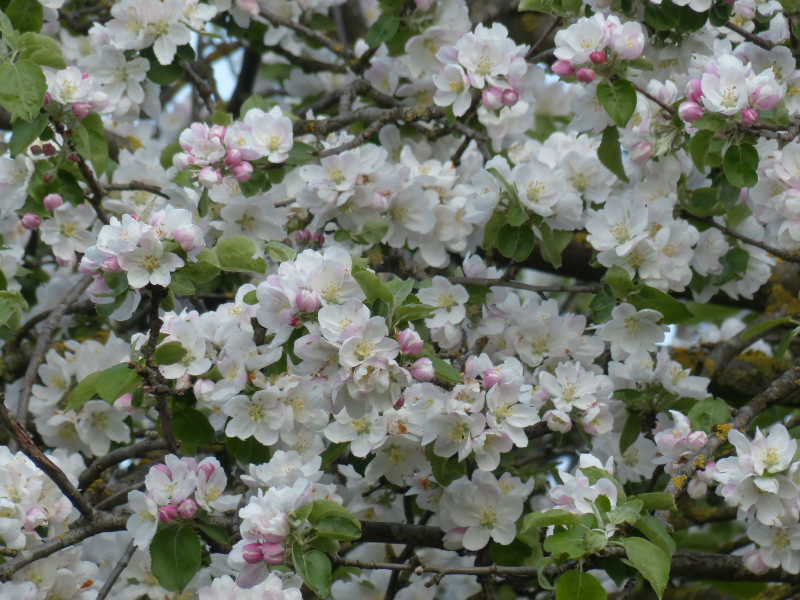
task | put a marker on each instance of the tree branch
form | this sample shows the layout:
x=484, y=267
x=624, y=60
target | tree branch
x=112, y=578
x=539, y=289
x=782, y=254
x=113, y=458
x=45, y=335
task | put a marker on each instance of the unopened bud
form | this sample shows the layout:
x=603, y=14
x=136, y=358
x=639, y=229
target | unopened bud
x=187, y=508
x=167, y=513
x=252, y=554
x=233, y=158
x=510, y=97
x=272, y=553
x=48, y=149
x=597, y=58
x=308, y=301
x=422, y=369
x=52, y=201
x=563, y=68
x=80, y=110
x=585, y=75
x=410, y=342
x=243, y=171
x=492, y=98
x=491, y=378
x=31, y=221
x=749, y=116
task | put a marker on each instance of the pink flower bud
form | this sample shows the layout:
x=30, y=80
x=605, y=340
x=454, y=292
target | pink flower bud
x=182, y=160
x=208, y=469
x=31, y=221
x=35, y=150
x=308, y=301
x=749, y=116
x=272, y=553
x=318, y=237
x=424, y=5
x=399, y=404
x=124, y=403
x=422, y=369
x=689, y=112
x=202, y=387
x=187, y=508
x=52, y=201
x=209, y=176
x=217, y=131
x=48, y=149
x=167, y=513
x=189, y=237
x=410, y=342
x=84, y=75
x=694, y=90
x=234, y=157
x=585, y=75
x=73, y=158
x=563, y=68
x=303, y=236
x=491, y=378
x=640, y=153
x=597, y=58
x=111, y=264
x=80, y=110
x=492, y=98
x=510, y=97
x=243, y=171
x=252, y=554
x=47, y=98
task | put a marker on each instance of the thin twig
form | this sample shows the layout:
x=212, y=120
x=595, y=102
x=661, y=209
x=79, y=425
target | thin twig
x=782, y=254
x=542, y=39
x=539, y=289
x=203, y=89
x=315, y=36
x=749, y=36
x=133, y=186
x=120, y=497
x=45, y=335
x=112, y=578
x=113, y=458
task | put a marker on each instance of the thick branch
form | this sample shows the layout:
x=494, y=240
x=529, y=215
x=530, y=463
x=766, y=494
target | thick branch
x=137, y=450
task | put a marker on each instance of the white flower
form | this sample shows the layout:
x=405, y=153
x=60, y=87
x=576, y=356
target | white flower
x=539, y=186
x=779, y=546
x=453, y=433
x=260, y=416
x=149, y=263
x=15, y=175
x=629, y=329
x=572, y=386
x=447, y=299
x=453, y=88
x=99, y=424
x=271, y=132
x=364, y=434
x=143, y=523
x=617, y=226
x=508, y=413
x=67, y=232
x=725, y=86
x=486, y=513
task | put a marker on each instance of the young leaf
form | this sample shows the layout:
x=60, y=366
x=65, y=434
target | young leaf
x=763, y=326
x=555, y=516
x=192, y=426
x=650, y=560
x=117, y=381
x=83, y=392
x=740, y=165
x=698, y=148
x=630, y=432
x=610, y=152
x=24, y=85
x=619, y=100
x=236, y=254
x=672, y=310
x=445, y=371
x=339, y=528
x=515, y=242
x=382, y=30
x=169, y=353
x=175, y=557
x=709, y=412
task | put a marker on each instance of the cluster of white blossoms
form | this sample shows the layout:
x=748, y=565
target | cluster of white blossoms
x=334, y=311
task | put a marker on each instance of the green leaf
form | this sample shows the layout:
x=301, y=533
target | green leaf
x=250, y=298
x=555, y=516
x=83, y=392
x=449, y=115
x=740, y=165
x=698, y=148
x=553, y=244
x=324, y=508
x=175, y=557
x=516, y=215
x=40, y=49
x=763, y=326
x=734, y=266
x=25, y=15
x=642, y=64
x=117, y=381
x=571, y=543
x=382, y=30
x=220, y=117
x=254, y=185
x=254, y=101
x=650, y=560
x=513, y=554
x=602, y=305
x=412, y=312
x=24, y=85
x=236, y=254
x=711, y=121
x=492, y=228
x=445, y=470
x=610, y=152
x=169, y=353
x=301, y=153
x=618, y=281
x=656, y=501
x=162, y=74
x=663, y=17
x=627, y=512
x=339, y=528
x=374, y=230
x=672, y=310
x=314, y=569
x=280, y=252
x=324, y=544
x=515, y=242
x=630, y=432
x=192, y=426
x=180, y=283
x=215, y=532
x=595, y=474
x=169, y=151
x=249, y=451
x=333, y=452
x=619, y=100
x=709, y=412
x=204, y=269
x=400, y=289
x=783, y=346
x=24, y=133
x=445, y=371
x=653, y=528
x=373, y=287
